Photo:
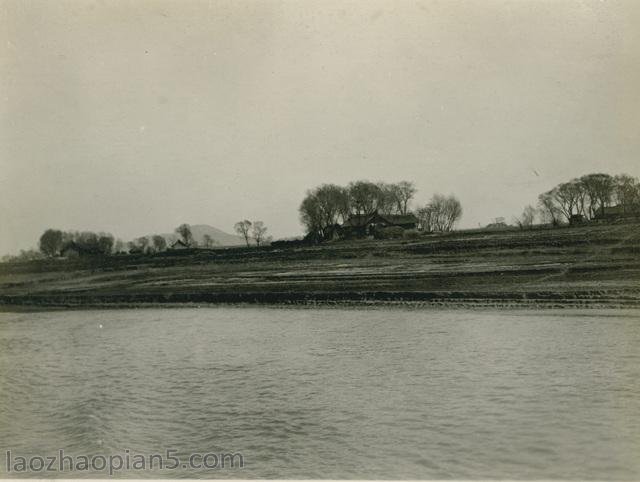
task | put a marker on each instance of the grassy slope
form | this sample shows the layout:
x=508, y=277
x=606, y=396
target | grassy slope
x=597, y=265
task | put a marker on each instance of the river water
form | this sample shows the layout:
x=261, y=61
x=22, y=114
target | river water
x=326, y=393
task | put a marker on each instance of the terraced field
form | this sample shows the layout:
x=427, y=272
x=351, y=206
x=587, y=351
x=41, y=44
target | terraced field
x=584, y=266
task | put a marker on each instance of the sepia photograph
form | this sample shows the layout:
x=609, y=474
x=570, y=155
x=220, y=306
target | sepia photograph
x=320, y=239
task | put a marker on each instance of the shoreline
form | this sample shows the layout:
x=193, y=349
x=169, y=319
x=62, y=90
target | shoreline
x=433, y=304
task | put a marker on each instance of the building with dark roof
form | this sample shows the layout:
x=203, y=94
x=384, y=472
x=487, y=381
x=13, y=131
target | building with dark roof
x=366, y=224
x=179, y=244
x=610, y=213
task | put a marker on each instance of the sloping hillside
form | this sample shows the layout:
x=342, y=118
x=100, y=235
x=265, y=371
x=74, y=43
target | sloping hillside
x=584, y=266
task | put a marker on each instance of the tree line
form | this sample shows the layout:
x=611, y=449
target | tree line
x=55, y=242
x=329, y=205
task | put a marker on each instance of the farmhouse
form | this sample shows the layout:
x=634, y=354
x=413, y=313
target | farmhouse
x=611, y=213
x=366, y=224
x=179, y=244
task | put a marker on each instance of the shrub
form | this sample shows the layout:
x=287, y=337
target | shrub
x=411, y=234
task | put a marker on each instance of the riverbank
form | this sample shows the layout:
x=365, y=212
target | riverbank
x=587, y=266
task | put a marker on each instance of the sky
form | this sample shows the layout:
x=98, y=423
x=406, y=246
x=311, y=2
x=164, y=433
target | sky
x=132, y=117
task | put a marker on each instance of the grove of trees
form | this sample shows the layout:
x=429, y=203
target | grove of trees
x=588, y=196
x=53, y=242
x=330, y=204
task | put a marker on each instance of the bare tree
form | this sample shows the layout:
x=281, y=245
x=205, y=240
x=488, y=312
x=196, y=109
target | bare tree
x=527, y=218
x=184, y=230
x=599, y=190
x=441, y=214
x=549, y=209
x=425, y=218
x=446, y=211
x=258, y=231
x=159, y=243
x=568, y=197
x=323, y=207
x=208, y=241
x=51, y=242
x=243, y=229
x=627, y=193
x=311, y=216
x=105, y=243
x=365, y=197
x=403, y=193
x=452, y=212
x=332, y=203
x=142, y=243
x=385, y=198
x=437, y=206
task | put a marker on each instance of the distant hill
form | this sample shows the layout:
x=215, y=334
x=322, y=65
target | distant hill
x=219, y=237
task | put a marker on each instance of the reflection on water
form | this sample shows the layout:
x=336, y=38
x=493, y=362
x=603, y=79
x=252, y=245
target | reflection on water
x=330, y=393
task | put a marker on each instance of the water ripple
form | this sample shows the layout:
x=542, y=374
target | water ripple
x=330, y=393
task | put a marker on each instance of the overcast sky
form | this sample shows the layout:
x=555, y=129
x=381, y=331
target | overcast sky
x=132, y=117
